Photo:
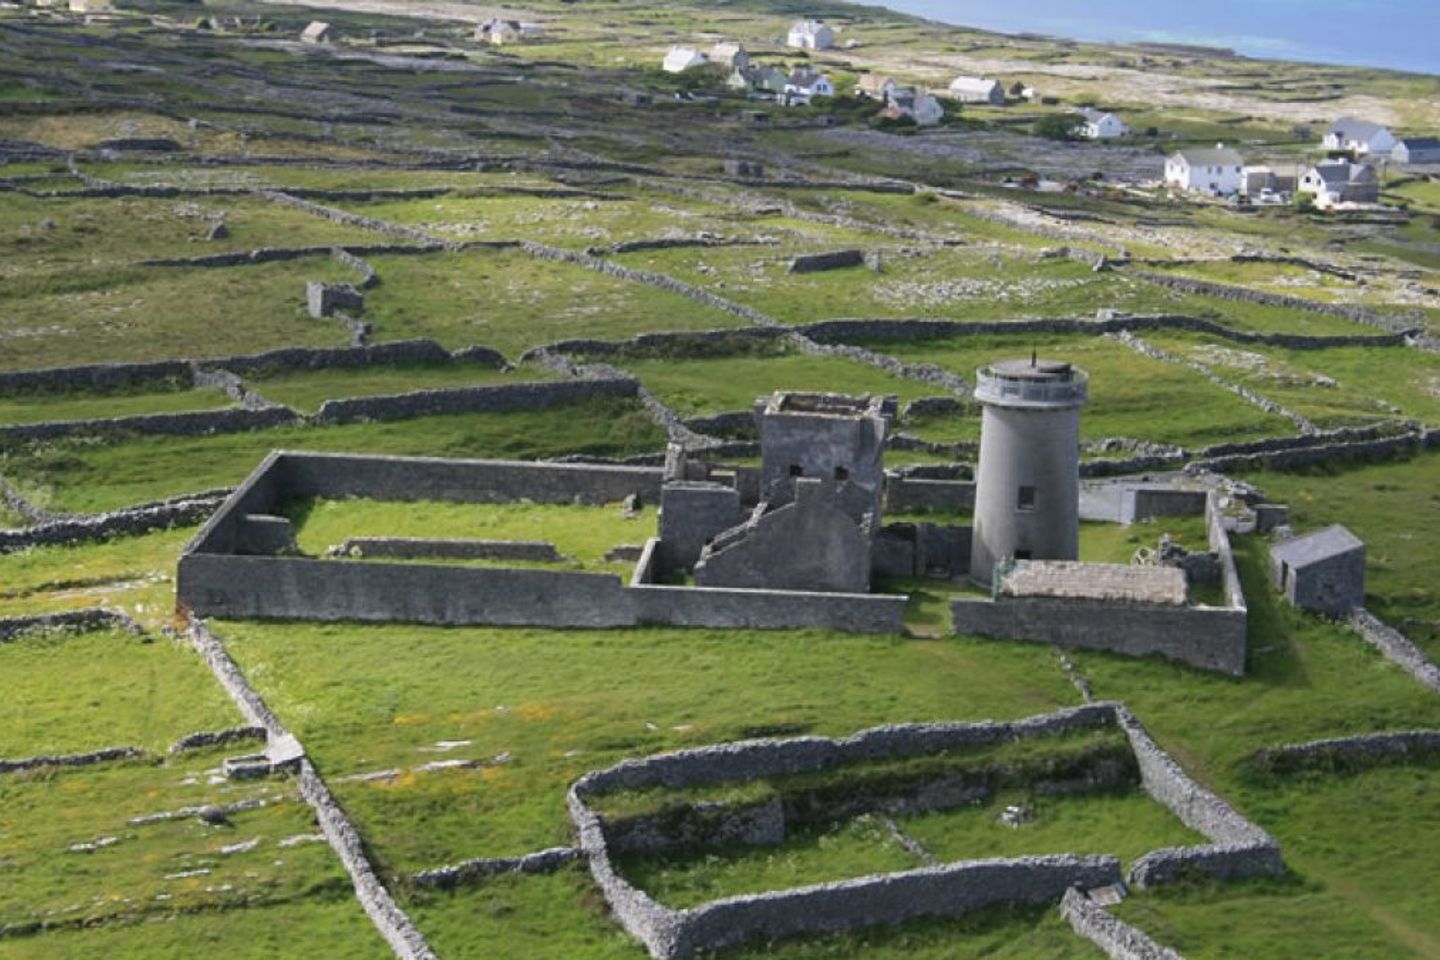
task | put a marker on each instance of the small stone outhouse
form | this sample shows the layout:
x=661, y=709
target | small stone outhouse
x=1323, y=572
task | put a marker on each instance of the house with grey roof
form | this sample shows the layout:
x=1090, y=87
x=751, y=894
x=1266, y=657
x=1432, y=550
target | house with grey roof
x=1101, y=125
x=1340, y=181
x=1412, y=150
x=810, y=35
x=1359, y=137
x=1323, y=572
x=1215, y=171
x=977, y=90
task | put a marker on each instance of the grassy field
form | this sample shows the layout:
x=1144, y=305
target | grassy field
x=307, y=390
x=1130, y=395
x=71, y=688
x=1394, y=508
x=35, y=407
x=135, y=574
x=562, y=703
x=92, y=476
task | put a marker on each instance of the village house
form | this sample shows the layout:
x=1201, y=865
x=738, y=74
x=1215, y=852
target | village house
x=1262, y=183
x=810, y=35
x=317, y=32
x=730, y=55
x=1215, y=171
x=680, y=58
x=875, y=86
x=1340, y=181
x=91, y=6
x=1411, y=150
x=764, y=80
x=803, y=85
x=1101, y=125
x=1359, y=137
x=977, y=90
x=914, y=104
x=497, y=31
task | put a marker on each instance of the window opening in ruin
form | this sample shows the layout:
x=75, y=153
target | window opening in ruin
x=1022, y=554
x=1026, y=499
x=842, y=474
x=796, y=470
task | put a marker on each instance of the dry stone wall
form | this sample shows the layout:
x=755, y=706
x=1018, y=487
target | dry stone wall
x=95, y=618
x=106, y=755
x=132, y=520
x=1362, y=750
x=1118, y=939
x=471, y=871
x=1396, y=647
x=500, y=398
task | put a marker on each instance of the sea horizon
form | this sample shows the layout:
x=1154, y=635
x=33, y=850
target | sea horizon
x=1392, y=34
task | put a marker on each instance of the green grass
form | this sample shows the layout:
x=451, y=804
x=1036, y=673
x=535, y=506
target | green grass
x=1395, y=508
x=1113, y=543
x=580, y=533
x=1360, y=857
x=695, y=387
x=329, y=925
x=562, y=703
x=135, y=574
x=35, y=407
x=306, y=390
x=42, y=814
x=68, y=692
x=1131, y=395
x=510, y=301
x=92, y=476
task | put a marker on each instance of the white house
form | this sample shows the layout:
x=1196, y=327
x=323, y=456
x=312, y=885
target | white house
x=497, y=31
x=1100, y=125
x=875, y=86
x=318, y=31
x=730, y=55
x=915, y=104
x=810, y=35
x=802, y=85
x=681, y=58
x=1213, y=170
x=977, y=90
x=1359, y=136
x=1263, y=183
x=90, y=6
x=1340, y=181
x=1416, y=150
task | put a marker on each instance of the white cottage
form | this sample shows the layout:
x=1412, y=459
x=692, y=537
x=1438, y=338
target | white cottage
x=977, y=90
x=497, y=31
x=1416, y=150
x=1214, y=170
x=1101, y=125
x=681, y=58
x=1359, y=137
x=1340, y=181
x=915, y=104
x=318, y=31
x=803, y=85
x=876, y=86
x=810, y=35
x=730, y=55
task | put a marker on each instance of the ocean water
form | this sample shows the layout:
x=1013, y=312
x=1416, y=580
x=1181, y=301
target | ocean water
x=1398, y=34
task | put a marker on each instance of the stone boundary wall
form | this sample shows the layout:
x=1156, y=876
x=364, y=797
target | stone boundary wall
x=1145, y=348
x=279, y=254
x=144, y=518
x=1398, y=324
x=1116, y=938
x=394, y=925
x=905, y=494
x=657, y=280
x=102, y=375
x=217, y=738
x=1209, y=638
x=499, y=398
x=1305, y=441
x=844, y=330
x=1219, y=541
x=95, y=618
x=396, y=230
x=105, y=755
x=1290, y=457
x=1396, y=647
x=1363, y=749
x=214, y=580
x=410, y=548
x=469, y=871
x=679, y=243
x=191, y=424
x=676, y=430
x=1238, y=848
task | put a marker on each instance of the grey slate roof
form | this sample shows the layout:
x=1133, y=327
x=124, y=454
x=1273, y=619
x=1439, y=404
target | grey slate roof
x=1420, y=143
x=1317, y=546
x=1353, y=129
x=1211, y=157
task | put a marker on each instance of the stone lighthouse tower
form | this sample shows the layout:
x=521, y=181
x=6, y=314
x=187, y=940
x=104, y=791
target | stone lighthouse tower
x=1027, y=492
